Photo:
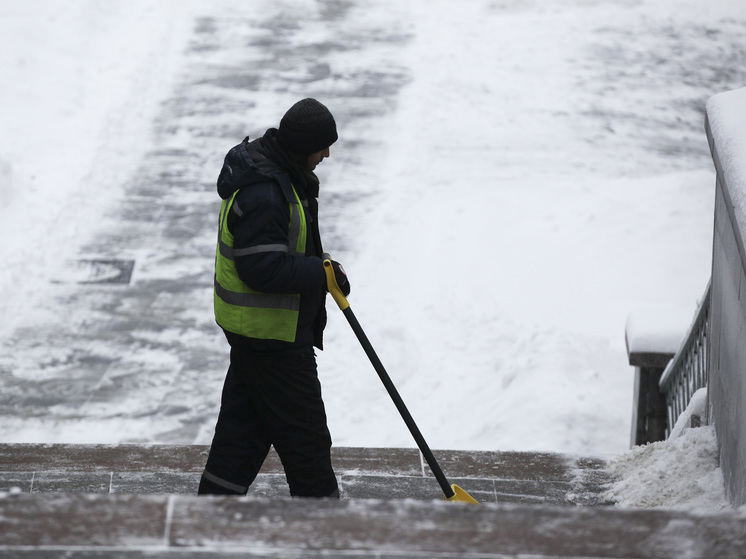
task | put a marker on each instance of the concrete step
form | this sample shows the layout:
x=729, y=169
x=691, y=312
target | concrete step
x=131, y=501
x=363, y=473
x=160, y=526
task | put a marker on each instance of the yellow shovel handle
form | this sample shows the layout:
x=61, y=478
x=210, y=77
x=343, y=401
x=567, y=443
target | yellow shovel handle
x=450, y=492
x=331, y=283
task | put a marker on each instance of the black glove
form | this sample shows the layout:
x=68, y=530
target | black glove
x=341, y=277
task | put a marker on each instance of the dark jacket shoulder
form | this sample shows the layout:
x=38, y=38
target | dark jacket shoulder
x=252, y=163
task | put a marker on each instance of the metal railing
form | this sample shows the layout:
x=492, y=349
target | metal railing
x=688, y=371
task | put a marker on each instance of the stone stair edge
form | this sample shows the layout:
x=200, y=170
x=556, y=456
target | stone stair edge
x=172, y=523
x=135, y=457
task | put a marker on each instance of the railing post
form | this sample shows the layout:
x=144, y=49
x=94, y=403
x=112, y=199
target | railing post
x=652, y=337
x=649, y=410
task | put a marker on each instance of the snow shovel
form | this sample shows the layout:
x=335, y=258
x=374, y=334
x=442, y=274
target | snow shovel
x=450, y=492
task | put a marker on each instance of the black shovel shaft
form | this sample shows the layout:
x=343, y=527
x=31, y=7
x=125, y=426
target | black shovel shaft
x=399, y=403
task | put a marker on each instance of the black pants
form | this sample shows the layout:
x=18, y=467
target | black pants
x=271, y=398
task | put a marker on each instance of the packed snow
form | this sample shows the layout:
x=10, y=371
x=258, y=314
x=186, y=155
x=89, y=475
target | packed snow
x=681, y=473
x=542, y=174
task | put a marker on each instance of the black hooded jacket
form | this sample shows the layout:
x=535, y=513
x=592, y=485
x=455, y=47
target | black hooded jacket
x=264, y=173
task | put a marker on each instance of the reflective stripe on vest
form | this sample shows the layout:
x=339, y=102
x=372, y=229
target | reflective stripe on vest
x=242, y=310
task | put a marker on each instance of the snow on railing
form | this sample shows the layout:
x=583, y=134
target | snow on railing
x=688, y=371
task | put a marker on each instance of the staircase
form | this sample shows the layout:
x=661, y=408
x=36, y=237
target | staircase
x=136, y=501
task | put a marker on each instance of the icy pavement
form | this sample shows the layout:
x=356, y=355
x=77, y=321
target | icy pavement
x=129, y=339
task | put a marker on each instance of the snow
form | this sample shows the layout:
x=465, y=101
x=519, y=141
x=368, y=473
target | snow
x=697, y=407
x=656, y=329
x=543, y=173
x=682, y=473
x=728, y=126
x=81, y=82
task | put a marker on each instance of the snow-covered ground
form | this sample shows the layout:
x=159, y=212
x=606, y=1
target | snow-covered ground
x=543, y=173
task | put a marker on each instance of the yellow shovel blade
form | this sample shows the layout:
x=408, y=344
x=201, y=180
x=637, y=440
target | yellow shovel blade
x=461, y=496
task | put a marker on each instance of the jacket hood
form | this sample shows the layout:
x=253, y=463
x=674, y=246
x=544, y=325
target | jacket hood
x=250, y=162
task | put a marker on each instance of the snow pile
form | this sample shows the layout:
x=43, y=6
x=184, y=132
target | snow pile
x=680, y=473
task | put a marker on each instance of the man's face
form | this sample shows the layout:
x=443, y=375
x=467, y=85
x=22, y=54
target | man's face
x=316, y=158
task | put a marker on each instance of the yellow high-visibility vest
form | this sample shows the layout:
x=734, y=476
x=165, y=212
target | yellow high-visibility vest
x=242, y=310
